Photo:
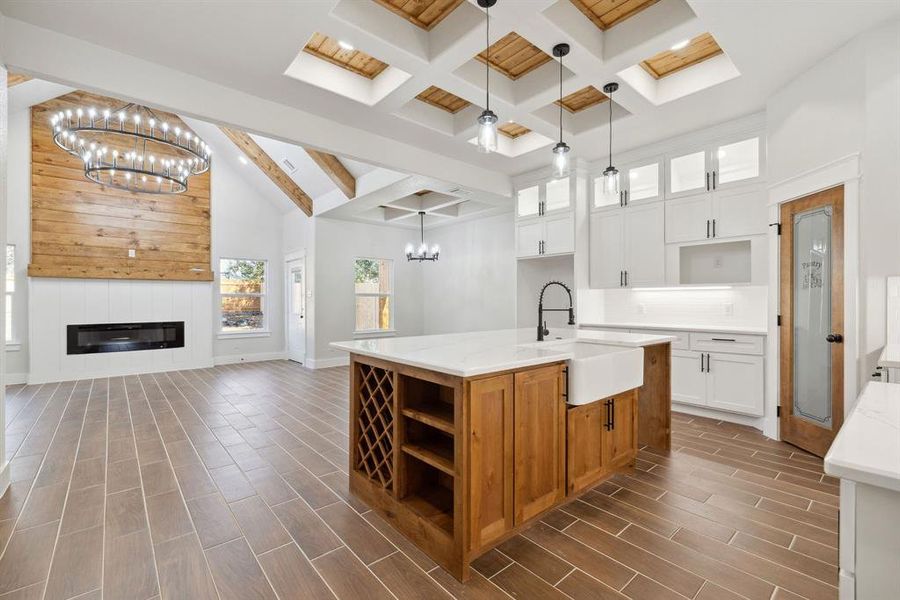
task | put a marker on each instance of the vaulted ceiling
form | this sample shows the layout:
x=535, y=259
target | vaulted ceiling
x=428, y=83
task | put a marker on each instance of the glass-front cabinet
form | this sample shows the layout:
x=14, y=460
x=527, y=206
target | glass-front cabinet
x=528, y=201
x=545, y=218
x=639, y=182
x=737, y=160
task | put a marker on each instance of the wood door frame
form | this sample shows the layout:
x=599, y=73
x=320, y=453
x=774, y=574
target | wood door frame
x=842, y=171
x=807, y=435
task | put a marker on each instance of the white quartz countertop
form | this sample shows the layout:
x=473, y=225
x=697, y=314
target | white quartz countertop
x=867, y=448
x=683, y=327
x=890, y=357
x=477, y=353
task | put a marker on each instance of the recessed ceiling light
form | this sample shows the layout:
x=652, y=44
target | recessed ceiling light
x=243, y=159
x=345, y=45
x=680, y=45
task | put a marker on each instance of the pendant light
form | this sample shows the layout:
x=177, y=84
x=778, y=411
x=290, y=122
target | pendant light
x=422, y=253
x=610, y=174
x=487, y=120
x=561, y=150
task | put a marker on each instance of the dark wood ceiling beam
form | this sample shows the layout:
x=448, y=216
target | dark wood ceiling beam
x=258, y=156
x=336, y=171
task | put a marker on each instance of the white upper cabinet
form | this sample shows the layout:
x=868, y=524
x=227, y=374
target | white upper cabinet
x=737, y=162
x=688, y=173
x=557, y=196
x=559, y=234
x=627, y=247
x=740, y=212
x=528, y=201
x=689, y=219
x=607, y=247
x=640, y=182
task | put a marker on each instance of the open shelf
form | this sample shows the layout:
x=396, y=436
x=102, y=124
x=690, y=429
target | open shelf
x=437, y=452
x=438, y=415
x=427, y=402
x=435, y=505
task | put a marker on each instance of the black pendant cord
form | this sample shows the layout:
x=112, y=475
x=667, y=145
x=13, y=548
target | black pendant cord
x=422, y=226
x=610, y=131
x=487, y=52
x=560, y=99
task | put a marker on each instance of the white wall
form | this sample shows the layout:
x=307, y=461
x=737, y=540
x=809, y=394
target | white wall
x=246, y=225
x=473, y=285
x=337, y=244
x=531, y=276
x=848, y=103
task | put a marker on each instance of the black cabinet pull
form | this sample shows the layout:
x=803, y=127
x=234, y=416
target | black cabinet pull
x=724, y=340
x=626, y=197
x=707, y=362
x=714, y=180
x=566, y=393
x=701, y=363
x=714, y=228
x=626, y=278
x=621, y=280
x=707, y=229
x=608, y=405
x=707, y=181
x=612, y=413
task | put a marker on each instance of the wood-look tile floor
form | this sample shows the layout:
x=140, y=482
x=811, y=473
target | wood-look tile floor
x=231, y=483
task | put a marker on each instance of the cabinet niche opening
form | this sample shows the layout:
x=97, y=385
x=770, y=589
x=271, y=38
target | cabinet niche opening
x=427, y=402
x=718, y=263
x=428, y=492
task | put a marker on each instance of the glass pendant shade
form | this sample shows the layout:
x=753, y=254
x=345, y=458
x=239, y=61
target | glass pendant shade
x=487, y=132
x=611, y=180
x=561, y=159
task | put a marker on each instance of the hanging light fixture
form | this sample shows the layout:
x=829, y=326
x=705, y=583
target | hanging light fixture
x=422, y=253
x=610, y=174
x=131, y=148
x=561, y=150
x=487, y=120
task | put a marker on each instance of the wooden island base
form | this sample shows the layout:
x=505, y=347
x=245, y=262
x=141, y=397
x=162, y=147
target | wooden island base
x=458, y=465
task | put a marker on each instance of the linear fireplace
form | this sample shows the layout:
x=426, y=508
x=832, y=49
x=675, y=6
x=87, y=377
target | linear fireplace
x=124, y=337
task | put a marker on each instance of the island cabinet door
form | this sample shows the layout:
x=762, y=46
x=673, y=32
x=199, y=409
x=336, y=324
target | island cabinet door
x=584, y=440
x=490, y=459
x=620, y=431
x=539, y=441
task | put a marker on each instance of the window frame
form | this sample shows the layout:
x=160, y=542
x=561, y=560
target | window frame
x=11, y=340
x=389, y=295
x=263, y=296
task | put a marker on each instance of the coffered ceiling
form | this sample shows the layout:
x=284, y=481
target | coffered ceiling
x=245, y=64
x=671, y=61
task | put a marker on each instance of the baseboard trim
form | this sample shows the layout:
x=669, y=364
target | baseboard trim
x=33, y=379
x=719, y=415
x=325, y=363
x=15, y=378
x=231, y=359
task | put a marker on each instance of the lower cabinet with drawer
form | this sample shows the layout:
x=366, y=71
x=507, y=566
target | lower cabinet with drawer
x=719, y=380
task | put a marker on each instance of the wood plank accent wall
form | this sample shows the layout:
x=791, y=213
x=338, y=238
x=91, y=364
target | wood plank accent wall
x=80, y=229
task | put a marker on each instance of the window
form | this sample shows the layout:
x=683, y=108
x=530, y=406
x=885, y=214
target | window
x=242, y=286
x=373, y=286
x=10, y=288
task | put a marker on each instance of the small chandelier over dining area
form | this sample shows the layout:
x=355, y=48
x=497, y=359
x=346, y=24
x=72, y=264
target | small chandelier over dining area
x=131, y=148
x=422, y=253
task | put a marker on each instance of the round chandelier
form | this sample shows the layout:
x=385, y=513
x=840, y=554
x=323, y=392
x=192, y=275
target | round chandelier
x=131, y=148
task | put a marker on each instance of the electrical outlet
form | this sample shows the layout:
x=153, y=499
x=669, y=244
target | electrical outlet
x=717, y=262
x=642, y=309
x=132, y=253
x=729, y=308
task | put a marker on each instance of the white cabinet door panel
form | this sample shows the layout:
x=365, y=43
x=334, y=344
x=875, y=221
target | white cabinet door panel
x=688, y=219
x=528, y=238
x=528, y=201
x=735, y=383
x=688, y=173
x=740, y=213
x=645, y=247
x=606, y=244
x=559, y=234
x=688, y=381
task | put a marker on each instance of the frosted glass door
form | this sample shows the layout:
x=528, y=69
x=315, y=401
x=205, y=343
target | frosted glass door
x=737, y=162
x=601, y=198
x=528, y=202
x=812, y=316
x=688, y=174
x=643, y=182
x=557, y=195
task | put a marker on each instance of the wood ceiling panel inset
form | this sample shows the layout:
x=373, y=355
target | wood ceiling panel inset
x=355, y=61
x=607, y=13
x=668, y=62
x=582, y=99
x=513, y=130
x=14, y=79
x=422, y=13
x=514, y=56
x=443, y=99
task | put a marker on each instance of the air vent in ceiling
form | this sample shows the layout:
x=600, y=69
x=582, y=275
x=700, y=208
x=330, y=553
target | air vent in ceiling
x=288, y=166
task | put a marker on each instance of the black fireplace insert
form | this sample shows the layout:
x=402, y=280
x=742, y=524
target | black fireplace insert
x=124, y=337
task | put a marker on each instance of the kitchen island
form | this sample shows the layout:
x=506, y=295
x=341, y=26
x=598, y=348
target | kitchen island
x=461, y=440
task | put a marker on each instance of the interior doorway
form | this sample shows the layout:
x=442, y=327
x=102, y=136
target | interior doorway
x=296, y=310
x=812, y=313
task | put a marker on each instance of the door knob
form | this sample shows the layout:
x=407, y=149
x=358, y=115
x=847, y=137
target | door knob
x=834, y=338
